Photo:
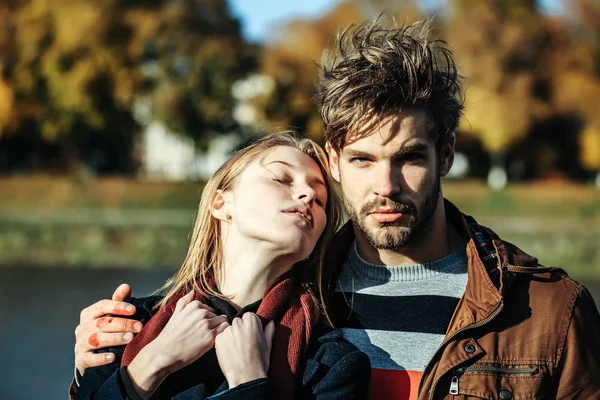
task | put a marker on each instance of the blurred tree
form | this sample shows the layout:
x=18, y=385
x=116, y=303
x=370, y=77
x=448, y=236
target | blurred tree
x=499, y=45
x=72, y=71
x=575, y=75
x=291, y=61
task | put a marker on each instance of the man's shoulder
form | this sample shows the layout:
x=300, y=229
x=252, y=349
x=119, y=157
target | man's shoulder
x=547, y=290
x=532, y=283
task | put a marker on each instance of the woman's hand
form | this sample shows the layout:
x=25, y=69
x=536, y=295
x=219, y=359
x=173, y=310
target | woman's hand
x=188, y=335
x=244, y=349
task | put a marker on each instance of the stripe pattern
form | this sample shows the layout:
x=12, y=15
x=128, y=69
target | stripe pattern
x=398, y=316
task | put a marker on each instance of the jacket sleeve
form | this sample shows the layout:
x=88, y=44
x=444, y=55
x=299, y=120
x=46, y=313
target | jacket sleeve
x=580, y=362
x=72, y=390
x=101, y=383
x=258, y=389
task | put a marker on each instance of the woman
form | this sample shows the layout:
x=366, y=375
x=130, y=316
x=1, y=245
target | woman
x=255, y=259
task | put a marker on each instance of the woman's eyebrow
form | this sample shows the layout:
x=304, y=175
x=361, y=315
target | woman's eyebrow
x=316, y=180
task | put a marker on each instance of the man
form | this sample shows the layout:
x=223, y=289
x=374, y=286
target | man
x=442, y=306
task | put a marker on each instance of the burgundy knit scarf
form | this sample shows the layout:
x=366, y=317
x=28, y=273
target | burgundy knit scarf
x=296, y=314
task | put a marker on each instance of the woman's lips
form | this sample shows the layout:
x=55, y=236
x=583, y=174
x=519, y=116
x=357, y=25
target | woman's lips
x=300, y=216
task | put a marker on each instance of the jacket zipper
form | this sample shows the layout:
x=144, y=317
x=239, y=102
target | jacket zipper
x=445, y=342
x=485, y=368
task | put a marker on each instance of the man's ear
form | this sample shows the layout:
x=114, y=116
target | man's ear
x=219, y=207
x=334, y=161
x=447, y=156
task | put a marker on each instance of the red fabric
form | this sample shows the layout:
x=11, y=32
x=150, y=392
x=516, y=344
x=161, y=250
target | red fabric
x=297, y=317
x=388, y=384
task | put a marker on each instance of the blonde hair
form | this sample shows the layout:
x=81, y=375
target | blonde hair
x=203, y=265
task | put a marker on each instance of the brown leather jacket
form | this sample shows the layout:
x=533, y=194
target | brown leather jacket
x=520, y=331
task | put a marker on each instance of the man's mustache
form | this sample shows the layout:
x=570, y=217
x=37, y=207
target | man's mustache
x=388, y=204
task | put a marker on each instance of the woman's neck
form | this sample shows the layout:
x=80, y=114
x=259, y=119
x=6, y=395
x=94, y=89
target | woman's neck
x=248, y=272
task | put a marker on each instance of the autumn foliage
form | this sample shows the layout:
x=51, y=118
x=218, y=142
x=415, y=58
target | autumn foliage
x=71, y=72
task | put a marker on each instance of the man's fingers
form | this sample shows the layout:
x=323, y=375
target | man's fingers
x=90, y=360
x=104, y=307
x=111, y=324
x=122, y=292
x=102, y=340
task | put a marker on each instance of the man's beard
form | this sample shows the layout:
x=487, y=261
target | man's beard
x=392, y=235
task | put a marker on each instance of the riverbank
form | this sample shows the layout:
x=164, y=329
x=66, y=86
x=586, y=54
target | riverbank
x=117, y=223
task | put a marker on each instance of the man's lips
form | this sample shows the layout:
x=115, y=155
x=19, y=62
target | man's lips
x=386, y=215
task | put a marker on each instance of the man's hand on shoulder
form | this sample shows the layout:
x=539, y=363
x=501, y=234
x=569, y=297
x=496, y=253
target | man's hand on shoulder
x=100, y=326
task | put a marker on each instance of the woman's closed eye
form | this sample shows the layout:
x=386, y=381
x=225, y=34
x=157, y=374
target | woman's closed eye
x=283, y=181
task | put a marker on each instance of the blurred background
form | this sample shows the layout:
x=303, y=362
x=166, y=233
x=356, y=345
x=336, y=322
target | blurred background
x=113, y=113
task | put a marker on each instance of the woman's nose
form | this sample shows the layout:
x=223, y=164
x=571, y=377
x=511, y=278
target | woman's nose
x=306, y=194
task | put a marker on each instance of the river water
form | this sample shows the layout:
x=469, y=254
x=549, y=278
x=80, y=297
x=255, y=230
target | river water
x=39, y=309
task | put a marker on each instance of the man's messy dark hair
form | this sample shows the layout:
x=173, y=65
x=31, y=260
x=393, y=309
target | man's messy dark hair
x=378, y=69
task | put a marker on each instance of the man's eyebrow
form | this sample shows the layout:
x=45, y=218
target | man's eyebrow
x=417, y=147
x=316, y=180
x=411, y=148
x=351, y=153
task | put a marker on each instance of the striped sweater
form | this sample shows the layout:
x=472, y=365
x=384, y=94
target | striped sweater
x=398, y=316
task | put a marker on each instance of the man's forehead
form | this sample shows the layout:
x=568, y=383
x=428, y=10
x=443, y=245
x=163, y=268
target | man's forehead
x=397, y=130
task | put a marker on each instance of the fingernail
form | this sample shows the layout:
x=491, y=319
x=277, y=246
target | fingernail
x=137, y=326
x=109, y=356
x=129, y=308
x=128, y=336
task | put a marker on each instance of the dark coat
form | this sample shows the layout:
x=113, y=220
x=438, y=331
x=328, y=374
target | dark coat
x=334, y=369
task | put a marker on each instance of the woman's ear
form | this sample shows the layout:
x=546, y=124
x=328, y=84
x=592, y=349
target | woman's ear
x=219, y=207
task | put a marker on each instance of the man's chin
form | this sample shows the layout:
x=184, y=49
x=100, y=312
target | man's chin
x=387, y=237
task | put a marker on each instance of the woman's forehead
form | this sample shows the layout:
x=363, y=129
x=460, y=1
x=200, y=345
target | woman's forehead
x=291, y=158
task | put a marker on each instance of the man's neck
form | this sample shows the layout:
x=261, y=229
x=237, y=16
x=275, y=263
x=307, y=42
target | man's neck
x=438, y=242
